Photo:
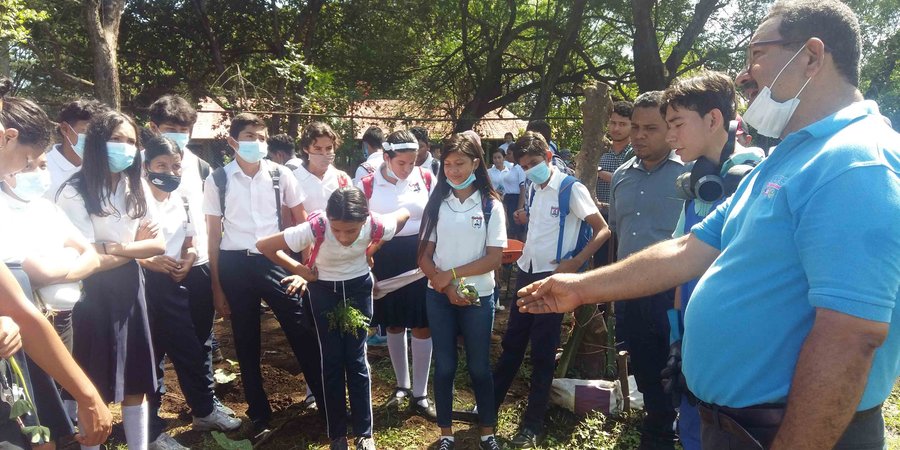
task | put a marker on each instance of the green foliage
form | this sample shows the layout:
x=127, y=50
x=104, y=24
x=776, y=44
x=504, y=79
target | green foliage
x=36, y=434
x=347, y=319
x=228, y=444
x=16, y=18
x=20, y=407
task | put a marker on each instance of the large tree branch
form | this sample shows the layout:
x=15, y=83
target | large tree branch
x=557, y=64
x=702, y=11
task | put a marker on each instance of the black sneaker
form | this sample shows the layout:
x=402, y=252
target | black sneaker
x=427, y=412
x=339, y=444
x=445, y=444
x=399, y=394
x=526, y=438
x=489, y=444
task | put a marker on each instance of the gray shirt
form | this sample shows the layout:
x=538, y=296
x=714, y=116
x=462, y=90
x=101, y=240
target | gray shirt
x=643, y=206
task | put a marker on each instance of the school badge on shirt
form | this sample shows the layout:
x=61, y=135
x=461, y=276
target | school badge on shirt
x=554, y=211
x=415, y=187
x=477, y=222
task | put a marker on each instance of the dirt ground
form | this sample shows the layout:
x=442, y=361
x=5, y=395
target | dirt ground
x=299, y=428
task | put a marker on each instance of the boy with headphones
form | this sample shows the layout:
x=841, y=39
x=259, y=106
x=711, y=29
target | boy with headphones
x=700, y=112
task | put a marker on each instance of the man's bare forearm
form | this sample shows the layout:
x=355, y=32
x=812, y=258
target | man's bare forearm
x=650, y=271
x=829, y=380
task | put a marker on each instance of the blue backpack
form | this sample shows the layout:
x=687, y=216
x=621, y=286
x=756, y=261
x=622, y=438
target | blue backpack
x=585, y=232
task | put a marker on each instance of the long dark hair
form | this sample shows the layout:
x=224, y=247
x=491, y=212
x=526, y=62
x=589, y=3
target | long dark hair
x=471, y=148
x=94, y=179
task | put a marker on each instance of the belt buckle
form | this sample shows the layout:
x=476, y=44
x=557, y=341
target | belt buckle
x=250, y=253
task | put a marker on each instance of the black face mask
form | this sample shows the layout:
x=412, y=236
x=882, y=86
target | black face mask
x=164, y=181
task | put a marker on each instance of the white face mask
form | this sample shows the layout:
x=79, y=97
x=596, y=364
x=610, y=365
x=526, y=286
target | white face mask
x=768, y=116
x=31, y=185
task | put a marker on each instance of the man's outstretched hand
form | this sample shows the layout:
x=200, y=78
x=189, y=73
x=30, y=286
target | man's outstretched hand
x=556, y=294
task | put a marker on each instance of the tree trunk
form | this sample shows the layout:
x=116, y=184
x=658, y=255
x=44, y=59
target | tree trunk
x=102, y=18
x=586, y=348
x=215, y=49
x=649, y=70
x=548, y=82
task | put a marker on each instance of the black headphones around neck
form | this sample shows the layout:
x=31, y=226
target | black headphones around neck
x=704, y=181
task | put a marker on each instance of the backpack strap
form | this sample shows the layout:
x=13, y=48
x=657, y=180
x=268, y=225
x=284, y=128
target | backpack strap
x=368, y=184
x=367, y=167
x=487, y=208
x=293, y=167
x=203, y=168
x=275, y=173
x=343, y=180
x=220, y=178
x=565, y=196
x=187, y=210
x=317, y=226
x=435, y=166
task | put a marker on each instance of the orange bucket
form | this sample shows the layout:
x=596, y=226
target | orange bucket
x=513, y=251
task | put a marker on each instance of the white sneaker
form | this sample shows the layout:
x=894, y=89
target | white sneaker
x=365, y=443
x=221, y=407
x=166, y=442
x=218, y=421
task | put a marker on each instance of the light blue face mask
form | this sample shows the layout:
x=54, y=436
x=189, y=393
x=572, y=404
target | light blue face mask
x=464, y=184
x=180, y=138
x=78, y=146
x=121, y=155
x=538, y=174
x=252, y=151
x=31, y=185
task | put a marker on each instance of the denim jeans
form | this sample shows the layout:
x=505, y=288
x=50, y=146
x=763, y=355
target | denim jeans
x=474, y=323
x=343, y=356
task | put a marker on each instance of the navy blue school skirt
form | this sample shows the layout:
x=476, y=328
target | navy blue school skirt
x=112, y=334
x=404, y=307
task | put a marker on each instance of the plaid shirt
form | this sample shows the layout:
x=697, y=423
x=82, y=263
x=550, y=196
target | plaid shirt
x=609, y=162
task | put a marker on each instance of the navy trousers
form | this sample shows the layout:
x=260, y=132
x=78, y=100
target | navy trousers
x=181, y=316
x=542, y=331
x=246, y=279
x=344, y=356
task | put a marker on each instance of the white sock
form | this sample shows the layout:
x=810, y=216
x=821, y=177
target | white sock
x=449, y=438
x=92, y=447
x=399, y=357
x=136, y=419
x=308, y=391
x=486, y=437
x=421, y=359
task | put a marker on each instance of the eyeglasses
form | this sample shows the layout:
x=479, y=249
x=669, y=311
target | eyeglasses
x=749, y=52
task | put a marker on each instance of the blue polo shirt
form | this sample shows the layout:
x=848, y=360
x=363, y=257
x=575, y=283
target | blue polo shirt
x=813, y=226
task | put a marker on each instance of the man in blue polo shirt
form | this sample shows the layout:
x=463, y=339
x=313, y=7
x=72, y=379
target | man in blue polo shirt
x=791, y=337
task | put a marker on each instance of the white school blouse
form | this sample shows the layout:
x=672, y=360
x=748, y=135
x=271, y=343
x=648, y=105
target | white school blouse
x=318, y=191
x=117, y=226
x=410, y=193
x=462, y=236
x=172, y=220
x=335, y=261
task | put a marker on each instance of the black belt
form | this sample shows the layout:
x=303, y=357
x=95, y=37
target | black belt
x=247, y=252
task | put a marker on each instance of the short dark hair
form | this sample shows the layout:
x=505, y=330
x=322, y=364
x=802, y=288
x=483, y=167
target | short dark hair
x=316, y=130
x=29, y=119
x=421, y=135
x=244, y=120
x=702, y=93
x=374, y=137
x=540, y=126
x=347, y=204
x=829, y=20
x=509, y=134
x=6, y=86
x=281, y=143
x=649, y=99
x=622, y=108
x=173, y=109
x=531, y=143
x=81, y=110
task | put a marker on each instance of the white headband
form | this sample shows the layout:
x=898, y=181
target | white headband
x=401, y=146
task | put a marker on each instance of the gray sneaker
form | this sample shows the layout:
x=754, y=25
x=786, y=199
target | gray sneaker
x=365, y=443
x=221, y=407
x=166, y=442
x=218, y=421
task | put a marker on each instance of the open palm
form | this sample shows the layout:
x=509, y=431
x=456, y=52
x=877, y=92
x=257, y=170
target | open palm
x=556, y=294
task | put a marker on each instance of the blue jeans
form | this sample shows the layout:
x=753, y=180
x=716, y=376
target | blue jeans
x=343, y=356
x=474, y=323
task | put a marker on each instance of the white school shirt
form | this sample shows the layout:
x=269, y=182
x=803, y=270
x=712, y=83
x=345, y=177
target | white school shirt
x=192, y=187
x=117, y=226
x=375, y=160
x=543, y=223
x=317, y=191
x=410, y=193
x=39, y=229
x=250, y=210
x=461, y=236
x=60, y=171
x=513, y=180
x=294, y=162
x=497, y=178
x=335, y=262
x=171, y=218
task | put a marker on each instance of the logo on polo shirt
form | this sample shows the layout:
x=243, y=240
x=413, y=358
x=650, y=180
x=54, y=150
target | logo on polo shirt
x=415, y=187
x=477, y=222
x=554, y=211
x=773, y=186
